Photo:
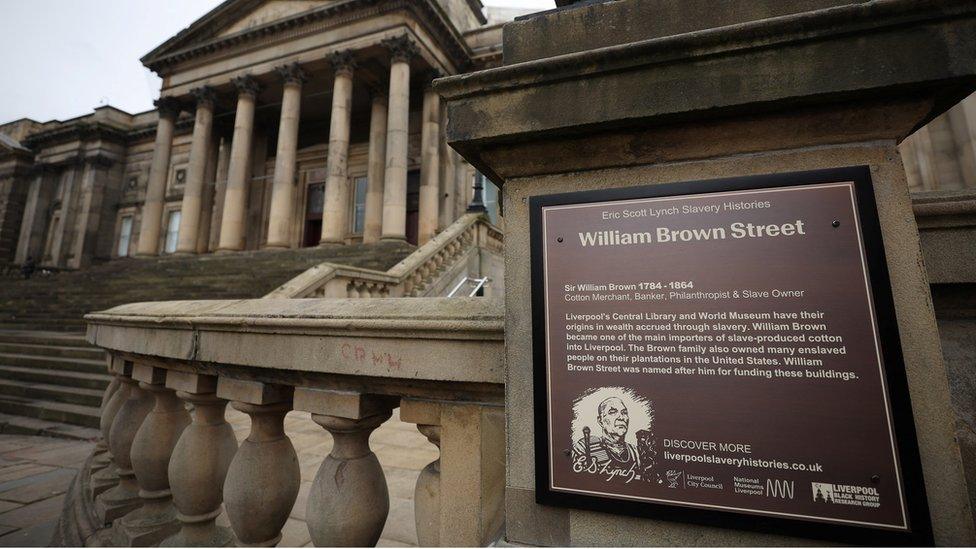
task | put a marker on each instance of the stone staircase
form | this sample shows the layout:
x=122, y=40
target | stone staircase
x=52, y=380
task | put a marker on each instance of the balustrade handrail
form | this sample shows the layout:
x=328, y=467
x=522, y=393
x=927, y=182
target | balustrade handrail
x=347, y=362
x=402, y=278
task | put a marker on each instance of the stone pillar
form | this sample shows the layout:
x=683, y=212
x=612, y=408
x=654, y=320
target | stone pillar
x=469, y=475
x=397, y=129
x=152, y=210
x=102, y=455
x=220, y=187
x=430, y=169
x=152, y=447
x=207, y=201
x=463, y=184
x=196, y=172
x=335, y=218
x=124, y=497
x=200, y=462
x=236, y=191
x=446, y=212
x=349, y=501
x=283, y=191
x=263, y=479
x=373, y=225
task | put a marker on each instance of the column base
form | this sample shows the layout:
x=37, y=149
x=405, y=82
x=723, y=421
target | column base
x=393, y=238
x=117, y=502
x=270, y=246
x=104, y=479
x=201, y=534
x=331, y=243
x=150, y=524
x=179, y=253
x=100, y=460
x=225, y=251
x=144, y=255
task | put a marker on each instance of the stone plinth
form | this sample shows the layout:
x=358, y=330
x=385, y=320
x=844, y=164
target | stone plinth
x=757, y=88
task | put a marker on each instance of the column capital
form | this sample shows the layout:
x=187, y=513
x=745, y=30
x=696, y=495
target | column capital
x=401, y=48
x=247, y=85
x=343, y=62
x=168, y=107
x=205, y=96
x=292, y=73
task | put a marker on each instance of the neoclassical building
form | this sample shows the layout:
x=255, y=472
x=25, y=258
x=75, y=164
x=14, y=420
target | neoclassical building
x=280, y=124
x=295, y=123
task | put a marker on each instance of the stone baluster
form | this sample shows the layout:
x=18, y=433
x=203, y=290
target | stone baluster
x=196, y=171
x=430, y=168
x=349, y=501
x=402, y=49
x=152, y=448
x=469, y=475
x=200, y=462
x=234, y=212
x=152, y=210
x=124, y=497
x=281, y=215
x=263, y=479
x=102, y=457
x=335, y=221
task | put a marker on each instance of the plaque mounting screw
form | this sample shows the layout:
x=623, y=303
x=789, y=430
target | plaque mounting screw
x=560, y=239
x=875, y=479
x=835, y=224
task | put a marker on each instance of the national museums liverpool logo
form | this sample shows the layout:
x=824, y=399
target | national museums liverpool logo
x=844, y=494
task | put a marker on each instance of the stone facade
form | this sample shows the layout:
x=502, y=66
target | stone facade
x=280, y=123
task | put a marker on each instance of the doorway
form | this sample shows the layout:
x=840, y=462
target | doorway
x=413, y=206
x=314, y=202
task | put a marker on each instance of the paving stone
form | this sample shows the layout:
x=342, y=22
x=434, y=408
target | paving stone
x=4, y=530
x=400, y=524
x=54, y=483
x=39, y=478
x=36, y=536
x=22, y=471
x=298, y=511
x=401, y=482
x=66, y=457
x=8, y=505
x=294, y=534
x=383, y=542
x=34, y=514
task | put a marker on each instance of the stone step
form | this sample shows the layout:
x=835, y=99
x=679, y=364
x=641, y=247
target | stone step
x=55, y=377
x=73, y=414
x=36, y=337
x=88, y=353
x=96, y=366
x=57, y=393
x=22, y=425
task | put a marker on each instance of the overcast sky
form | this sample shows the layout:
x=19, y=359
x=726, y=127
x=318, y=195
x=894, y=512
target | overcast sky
x=62, y=58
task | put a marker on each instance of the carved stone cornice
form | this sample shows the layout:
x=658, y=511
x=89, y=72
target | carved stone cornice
x=76, y=131
x=427, y=12
x=293, y=74
x=168, y=107
x=247, y=86
x=205, y=96
x=402, y=48
x=100, y=161
x=343, y=62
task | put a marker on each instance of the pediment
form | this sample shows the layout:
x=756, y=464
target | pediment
x=269, y=11
x=230, y=18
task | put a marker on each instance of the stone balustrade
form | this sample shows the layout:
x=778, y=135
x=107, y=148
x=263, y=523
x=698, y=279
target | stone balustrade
x=423, y=273
x=163, y=477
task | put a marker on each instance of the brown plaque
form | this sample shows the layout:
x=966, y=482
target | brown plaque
x=717, y=347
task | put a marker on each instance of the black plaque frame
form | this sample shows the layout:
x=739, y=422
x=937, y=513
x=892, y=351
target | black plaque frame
x=902, y=418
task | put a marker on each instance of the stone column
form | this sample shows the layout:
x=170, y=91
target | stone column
x=200, y=462
x=446, y=211
x=335, y=218
x=152, y=447
x=459, y=498
x=373, y=225
x=124, y=497
x=207, y=202
x=235, y=194
x=220, y=187
x=263, y=479
x=196, y=172
x=430, y=169
x=349, y=500
x=398, y=115
x=463, y=183
x=152, y=210
x=283, y=190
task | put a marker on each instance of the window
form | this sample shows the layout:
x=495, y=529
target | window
x=125, y=235
x=359, y=206
x=491, y=199
x=172, y=231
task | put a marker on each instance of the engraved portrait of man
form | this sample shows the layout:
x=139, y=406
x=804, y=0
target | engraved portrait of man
x=608, y=450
